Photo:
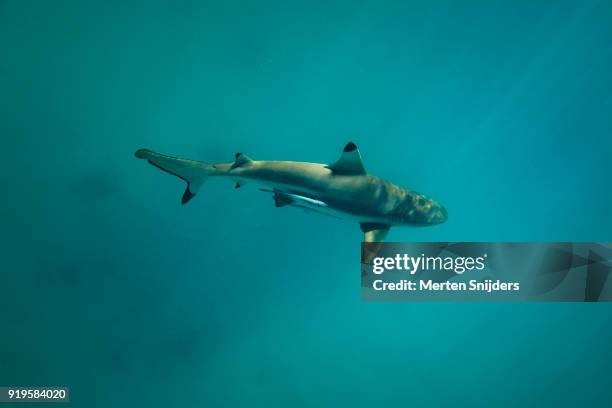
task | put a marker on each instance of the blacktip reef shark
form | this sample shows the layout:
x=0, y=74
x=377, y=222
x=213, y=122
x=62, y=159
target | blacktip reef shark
x=342, y=189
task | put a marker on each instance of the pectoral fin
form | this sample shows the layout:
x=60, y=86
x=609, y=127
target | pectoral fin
x=374, y=232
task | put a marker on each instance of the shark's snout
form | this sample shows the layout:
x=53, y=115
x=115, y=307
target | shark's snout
x=438, y=214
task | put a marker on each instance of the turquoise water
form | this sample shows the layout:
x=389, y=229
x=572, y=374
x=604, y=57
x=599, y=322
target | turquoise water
x=500, y=110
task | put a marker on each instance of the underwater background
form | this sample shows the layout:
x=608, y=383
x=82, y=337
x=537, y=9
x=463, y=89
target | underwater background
x=501, y=110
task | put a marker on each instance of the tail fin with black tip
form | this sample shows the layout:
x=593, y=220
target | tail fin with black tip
x=193, y=172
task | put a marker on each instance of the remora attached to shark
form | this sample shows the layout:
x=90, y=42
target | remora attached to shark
x=342, y=189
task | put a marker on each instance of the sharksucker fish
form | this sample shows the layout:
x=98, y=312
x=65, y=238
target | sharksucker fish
x=342, y=189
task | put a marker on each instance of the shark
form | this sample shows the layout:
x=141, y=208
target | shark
x=342, y=189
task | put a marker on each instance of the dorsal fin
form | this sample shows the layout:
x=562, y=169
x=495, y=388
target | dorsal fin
x=349, y=162
x=241, y=160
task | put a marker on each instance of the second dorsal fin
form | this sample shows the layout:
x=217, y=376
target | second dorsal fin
x=241, y=160
x=349, y=162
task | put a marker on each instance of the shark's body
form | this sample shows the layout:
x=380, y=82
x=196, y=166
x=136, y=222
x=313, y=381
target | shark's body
x=342, y=189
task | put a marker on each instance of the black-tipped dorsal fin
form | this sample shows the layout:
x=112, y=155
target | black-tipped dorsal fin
x=349, y=162
x=241, y=160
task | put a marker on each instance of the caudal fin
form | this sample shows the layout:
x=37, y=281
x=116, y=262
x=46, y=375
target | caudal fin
x=193, y=172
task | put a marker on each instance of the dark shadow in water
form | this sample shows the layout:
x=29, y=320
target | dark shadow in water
x=61, y=275
x=95, y=185
x=160, y=352
x=77, y=272
x=183, y=346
